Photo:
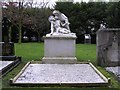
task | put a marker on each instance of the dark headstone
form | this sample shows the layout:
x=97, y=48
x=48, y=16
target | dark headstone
x=5, y=29
x=7, y=47
x=108, y=47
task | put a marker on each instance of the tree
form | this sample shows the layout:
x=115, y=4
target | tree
x=84, y=16
x=97, y=13
x=40, y=22
x=9, y=12
x=39, y=17
x=72, y=12
x=113, y=15
x=16, y=12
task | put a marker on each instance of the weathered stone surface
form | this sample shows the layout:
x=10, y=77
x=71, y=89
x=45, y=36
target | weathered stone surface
x=7, y=48
x=115, y=71
x=5, y=29
x=60, y=60
x=7, y=51
x=108, y=47
x=59, y=73
x=59, y=47
x=7, y=65
x=3, y=64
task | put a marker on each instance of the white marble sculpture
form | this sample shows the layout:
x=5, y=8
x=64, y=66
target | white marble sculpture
x=59, y=24
x=102, y=26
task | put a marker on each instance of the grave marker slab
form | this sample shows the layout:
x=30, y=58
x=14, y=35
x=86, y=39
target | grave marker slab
x=108, y=47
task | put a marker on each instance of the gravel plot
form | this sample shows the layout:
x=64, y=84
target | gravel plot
x=3, y=64
x=114, y=70
x=59, y=73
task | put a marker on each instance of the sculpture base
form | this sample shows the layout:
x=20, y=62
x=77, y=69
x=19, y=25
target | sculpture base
x=59, y=49
x=59, y=60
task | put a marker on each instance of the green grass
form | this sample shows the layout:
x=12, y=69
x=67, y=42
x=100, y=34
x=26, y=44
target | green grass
x=30, y=51
x=86, y=52
x=35, y=51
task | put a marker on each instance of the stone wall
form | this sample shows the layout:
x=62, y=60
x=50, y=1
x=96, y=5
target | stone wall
x=108, y=47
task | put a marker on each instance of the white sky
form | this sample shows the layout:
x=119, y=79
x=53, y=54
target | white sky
x=51, y=0
x=36, y=3
x=73, y=0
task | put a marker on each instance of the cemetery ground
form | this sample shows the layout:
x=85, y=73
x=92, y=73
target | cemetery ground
x=35, y=51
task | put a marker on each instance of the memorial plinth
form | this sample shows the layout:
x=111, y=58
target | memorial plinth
x=59, y=49
x=108, y=47
x=8, y=52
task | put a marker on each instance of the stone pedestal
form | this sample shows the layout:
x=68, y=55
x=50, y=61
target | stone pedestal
x=8, y=51
x=108, y=47
x=87, y=39
x=59, y=49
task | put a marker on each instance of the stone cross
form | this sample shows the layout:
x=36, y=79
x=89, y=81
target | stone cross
x=5, y=29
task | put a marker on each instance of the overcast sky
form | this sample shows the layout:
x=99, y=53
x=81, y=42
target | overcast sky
x=51, y=3
x=65, y=0
x=55, y=0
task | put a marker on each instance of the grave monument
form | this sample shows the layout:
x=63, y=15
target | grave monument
x=108, y=47
x=7, y=55
x=60, y=43
x=87, y=39
x=59, y=65
x=108, y=50
x=7, y=47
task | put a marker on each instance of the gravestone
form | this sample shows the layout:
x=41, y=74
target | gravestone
x=87, y=39
x=7, y=47
x=60, y=43
x=7, y=55
x=61, y=67
x=108, y=47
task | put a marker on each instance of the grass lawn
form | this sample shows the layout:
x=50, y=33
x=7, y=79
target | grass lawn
x=35, y=51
